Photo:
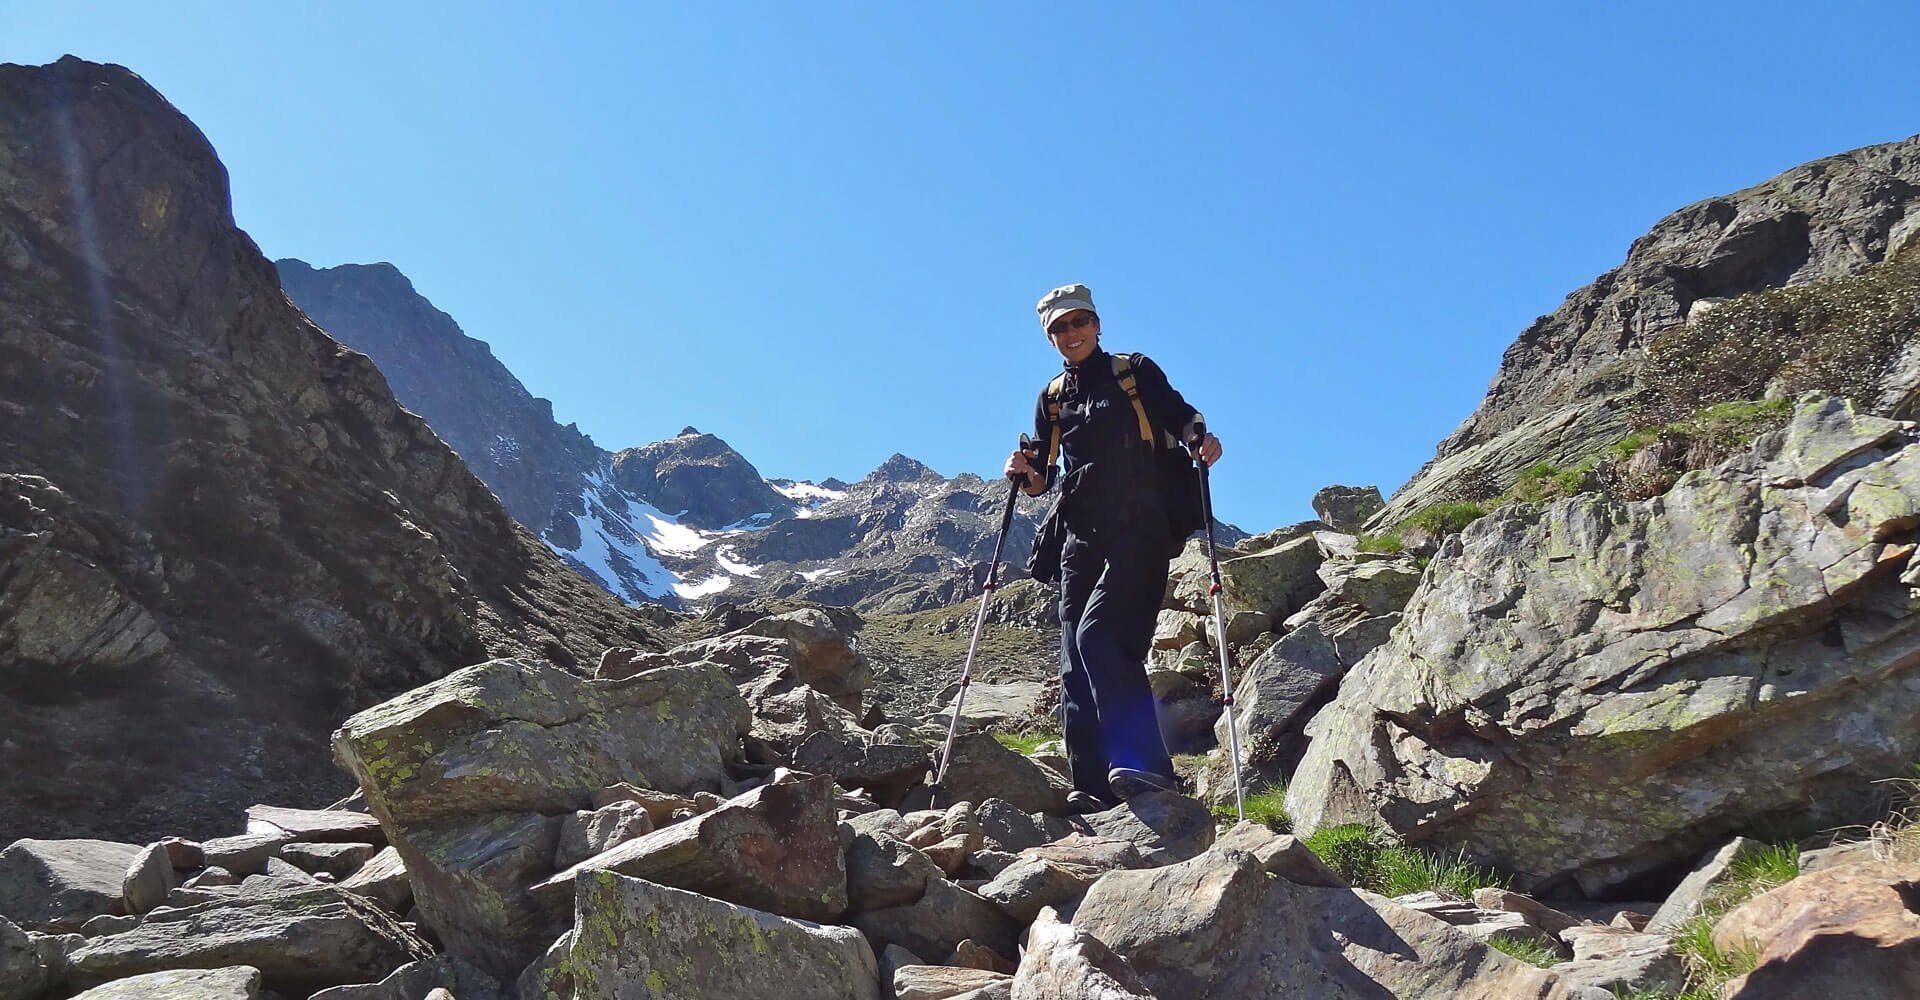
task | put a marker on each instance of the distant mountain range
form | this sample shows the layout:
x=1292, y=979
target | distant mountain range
x=679, y=522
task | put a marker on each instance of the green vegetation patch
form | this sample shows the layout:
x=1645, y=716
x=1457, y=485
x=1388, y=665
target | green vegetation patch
x=1267, y=807
x=1530, y=952
x=1840, y=336
x=1372, y=859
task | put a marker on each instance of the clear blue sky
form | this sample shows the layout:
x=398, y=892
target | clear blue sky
x=818, y=229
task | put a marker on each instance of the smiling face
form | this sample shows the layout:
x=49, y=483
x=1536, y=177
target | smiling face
x=1075, y=335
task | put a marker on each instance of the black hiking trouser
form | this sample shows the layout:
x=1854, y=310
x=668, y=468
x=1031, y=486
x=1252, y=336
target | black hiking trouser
x=1111, y=588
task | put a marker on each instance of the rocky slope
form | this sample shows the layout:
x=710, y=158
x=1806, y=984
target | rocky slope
x=218, y=528
x=1564, y=388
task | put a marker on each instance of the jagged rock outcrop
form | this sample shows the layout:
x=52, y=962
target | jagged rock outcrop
x=1559, y=395
x=244, y=535
x=1594, y=691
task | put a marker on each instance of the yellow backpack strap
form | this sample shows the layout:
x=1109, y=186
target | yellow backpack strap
x=1123, y=370
x=1054, y=389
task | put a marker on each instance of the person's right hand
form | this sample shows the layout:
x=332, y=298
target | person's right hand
x=1020, y=465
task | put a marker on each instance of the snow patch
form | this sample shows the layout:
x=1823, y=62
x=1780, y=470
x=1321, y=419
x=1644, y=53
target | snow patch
x=811, y=575
x=724, y=557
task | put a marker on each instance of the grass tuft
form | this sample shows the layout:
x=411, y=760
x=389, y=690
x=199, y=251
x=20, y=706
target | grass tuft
x=1371, y=859
x=1531, y=952
x=1268, y=807
x=1025, y=743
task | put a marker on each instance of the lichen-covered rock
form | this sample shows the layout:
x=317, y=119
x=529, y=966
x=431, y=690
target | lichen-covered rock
x=1594, y=690
x=777, y=848
x=57, y=885
x=589, y=832
x=634, y=940
x=470, y=775
x=301, y=938
x=1275, y=582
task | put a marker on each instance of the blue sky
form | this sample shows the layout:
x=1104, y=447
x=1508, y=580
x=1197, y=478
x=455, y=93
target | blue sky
x=818, y=229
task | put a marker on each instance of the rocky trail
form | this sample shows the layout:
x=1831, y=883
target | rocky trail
x=1619, y=698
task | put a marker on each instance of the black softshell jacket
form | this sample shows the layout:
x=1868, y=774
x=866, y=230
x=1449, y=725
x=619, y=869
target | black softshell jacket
x=1109, y=474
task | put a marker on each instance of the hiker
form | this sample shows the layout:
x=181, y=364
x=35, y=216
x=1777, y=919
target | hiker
x=1112, y=527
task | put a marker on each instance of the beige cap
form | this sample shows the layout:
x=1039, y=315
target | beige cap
x=1064, y=300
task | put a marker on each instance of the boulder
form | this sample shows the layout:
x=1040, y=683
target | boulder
x=382, y=879
x=314, y=825
x=1279, y=854
x=1009, y=828
x=1621, y=961
x=1846, y=933
x=238, y=982
x=938, y=921
x=885, y=770
x=776, y=848
x=1276, y=582
x=335, y=859
x=590, y=831
x=1380, y=586
x=939, y=982
x=1176, y=628
x=1346, y=508
x=1165, y=827
x=636, y=940
x=1216, y=926
x=981, y=769
x=301, y=938
x=148, y=879
x=1063, y=962
x=1539, y=914
x=23, y=973
x=660, y=806
x=884, y=871
x=1592, y=691
x=823, y=656
x=996, y=704
x=246, y=854
x=1032, y=884
x=421, y=979
x=57, y=885
x=1714, y=870
x=1273, y=699
x=470, y=775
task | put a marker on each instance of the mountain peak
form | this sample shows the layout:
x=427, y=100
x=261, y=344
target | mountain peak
x=901, y=469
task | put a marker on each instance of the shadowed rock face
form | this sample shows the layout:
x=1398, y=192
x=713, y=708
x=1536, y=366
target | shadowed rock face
x=268, y=541
x=1556, y=397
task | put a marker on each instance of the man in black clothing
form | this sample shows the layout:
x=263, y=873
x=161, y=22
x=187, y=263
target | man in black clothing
x=1113, y=563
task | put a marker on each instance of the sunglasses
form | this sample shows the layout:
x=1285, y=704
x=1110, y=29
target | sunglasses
x=1076, y=323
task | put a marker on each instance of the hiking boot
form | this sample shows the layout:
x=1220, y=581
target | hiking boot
x=1080, y=803
x=1128, y=782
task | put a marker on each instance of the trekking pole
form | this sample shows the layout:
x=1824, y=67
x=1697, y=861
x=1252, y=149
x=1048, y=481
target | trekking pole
x=980, y=619
x=1219, y=615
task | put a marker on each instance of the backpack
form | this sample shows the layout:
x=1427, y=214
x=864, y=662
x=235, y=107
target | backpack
x=1178, y=478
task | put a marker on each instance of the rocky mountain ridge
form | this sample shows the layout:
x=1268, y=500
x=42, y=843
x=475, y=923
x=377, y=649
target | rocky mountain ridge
x=686, y=521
